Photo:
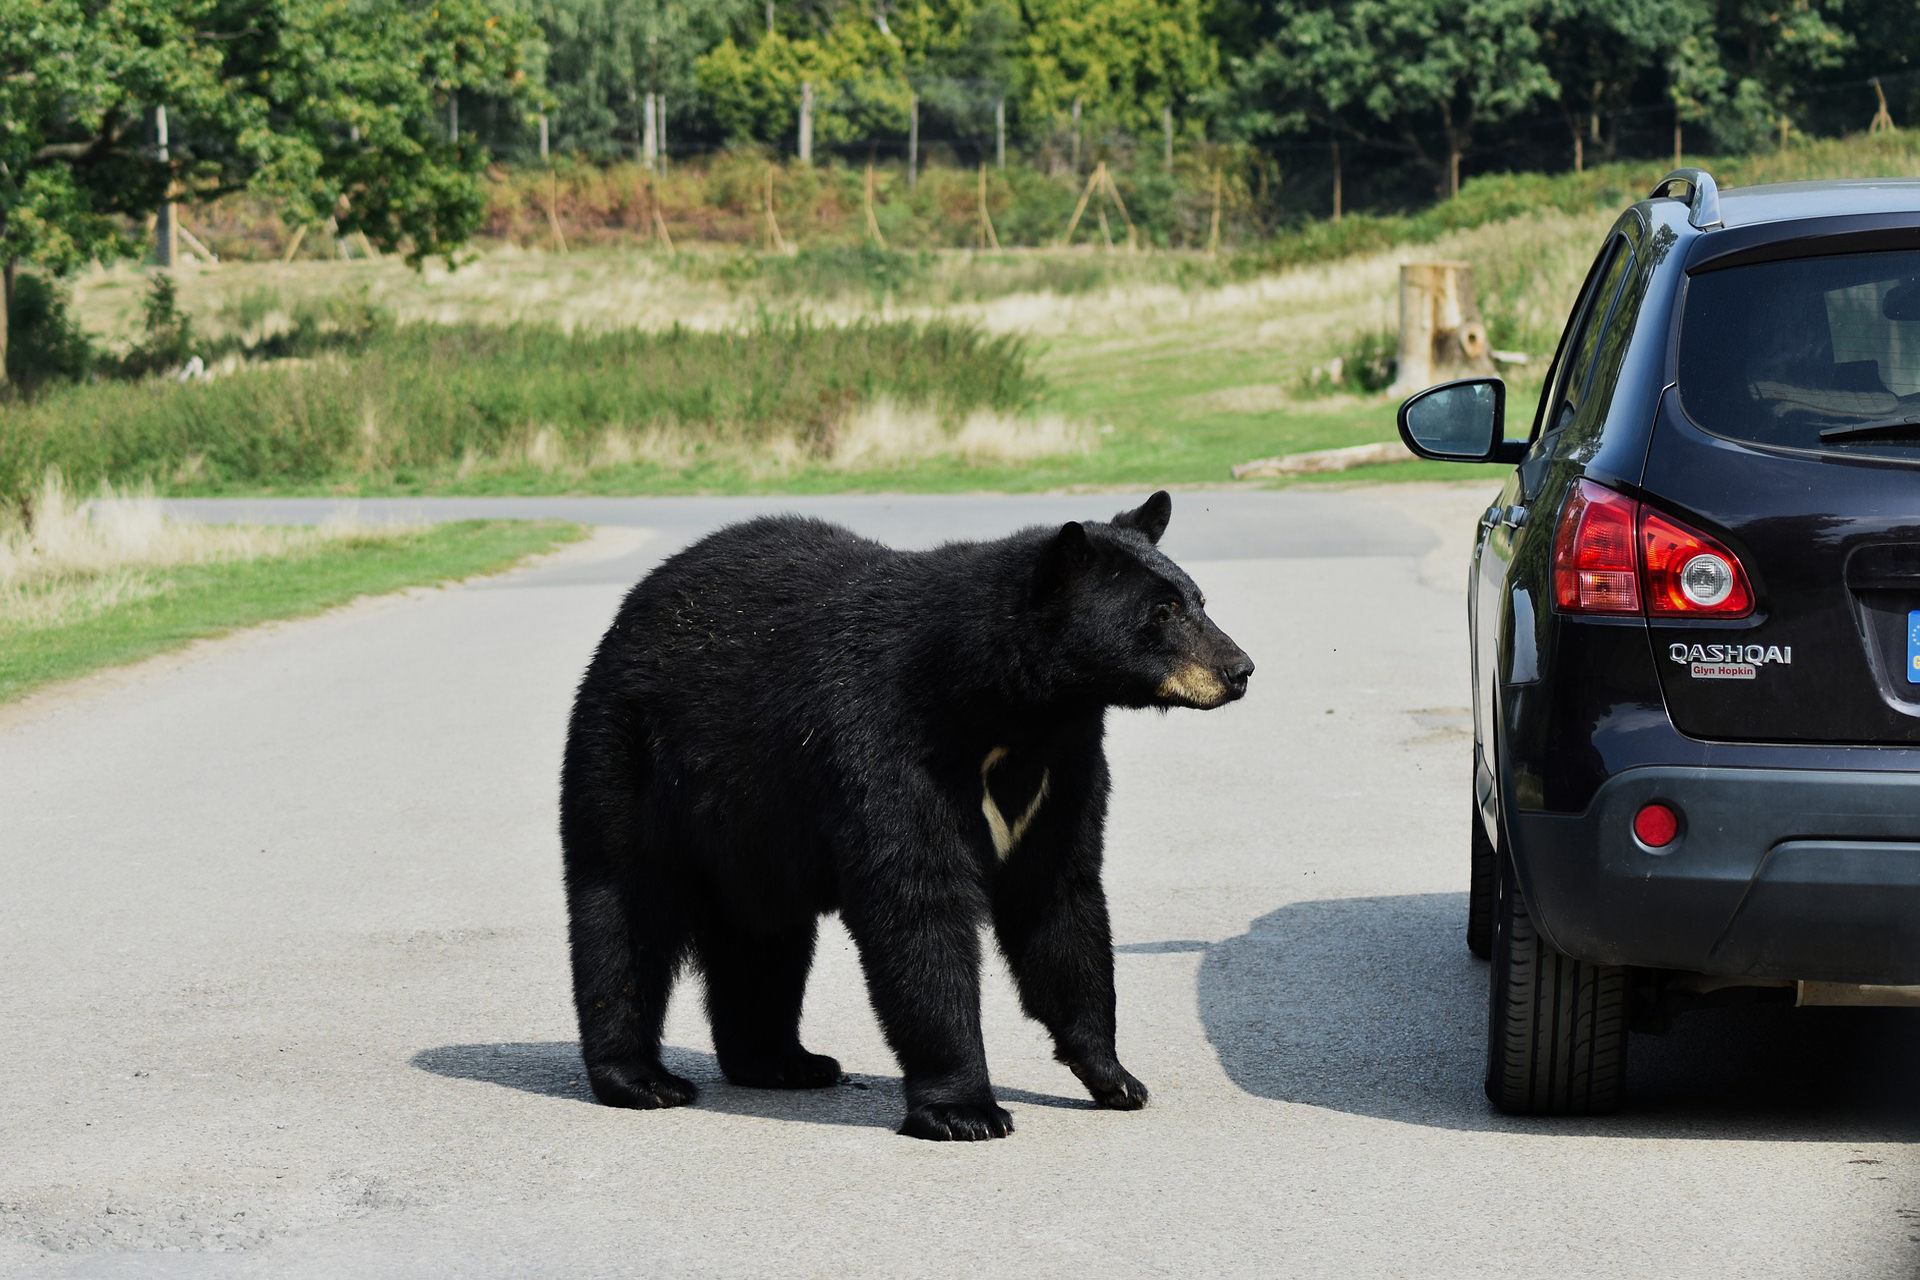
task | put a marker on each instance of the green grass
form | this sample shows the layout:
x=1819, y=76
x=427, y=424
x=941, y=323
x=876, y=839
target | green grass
x=198, y=601
x=423, y=400
x=1180, y=365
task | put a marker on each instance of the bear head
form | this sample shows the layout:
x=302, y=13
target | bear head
x=1126, y=624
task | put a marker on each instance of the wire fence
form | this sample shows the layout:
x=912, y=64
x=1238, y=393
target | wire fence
x=950, y=163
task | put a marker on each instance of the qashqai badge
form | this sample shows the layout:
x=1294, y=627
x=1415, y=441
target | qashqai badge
x=1743, y=661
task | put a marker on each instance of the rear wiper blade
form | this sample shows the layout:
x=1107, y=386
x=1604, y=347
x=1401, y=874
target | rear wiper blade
x=1891, y=429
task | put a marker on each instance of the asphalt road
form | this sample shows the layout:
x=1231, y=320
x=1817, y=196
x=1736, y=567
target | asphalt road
x=284, y=989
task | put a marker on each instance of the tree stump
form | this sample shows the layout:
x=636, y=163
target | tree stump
x=1441, y=336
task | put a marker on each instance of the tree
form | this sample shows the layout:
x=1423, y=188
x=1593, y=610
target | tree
x=1419, y=77
x=1745, y=65
x=1601, y=51
x=332, y=106
x=605, y=56
x=1123, y=60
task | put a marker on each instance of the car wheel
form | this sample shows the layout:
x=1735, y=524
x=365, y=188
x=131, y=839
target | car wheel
x=1557, y=1029
x=1480, y=889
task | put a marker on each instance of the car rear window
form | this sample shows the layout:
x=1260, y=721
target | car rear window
x=1807, y=353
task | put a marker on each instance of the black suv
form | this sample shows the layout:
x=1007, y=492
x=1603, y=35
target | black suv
x=1695, y=620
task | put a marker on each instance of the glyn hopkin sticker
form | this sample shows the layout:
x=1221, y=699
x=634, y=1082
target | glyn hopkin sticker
x=1728, y=661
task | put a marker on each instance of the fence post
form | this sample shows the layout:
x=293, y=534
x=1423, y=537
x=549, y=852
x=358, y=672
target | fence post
x=806, y=122
x=167, y=243
x=1213, y=229
x=913, y=138
x=1000, y=132
x=1076, y=137
x=660, y=127
x=1166, y=135
x=873, y=223
x=453, y=116
x=543, y=135
x=649, y=140
x=1336, y=182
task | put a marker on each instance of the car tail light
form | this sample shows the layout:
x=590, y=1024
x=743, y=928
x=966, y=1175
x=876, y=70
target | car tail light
x=1594, y=569
x=1688, y=573
x=1612, y=555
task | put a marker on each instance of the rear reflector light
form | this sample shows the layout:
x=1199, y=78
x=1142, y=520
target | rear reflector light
x=1611, y=553
x=1594, y=569
x=1656, y=826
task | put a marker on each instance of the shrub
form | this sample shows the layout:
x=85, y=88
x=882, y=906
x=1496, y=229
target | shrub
x=44, y=345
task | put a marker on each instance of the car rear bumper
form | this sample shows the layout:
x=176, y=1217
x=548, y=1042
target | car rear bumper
x=1776, y=873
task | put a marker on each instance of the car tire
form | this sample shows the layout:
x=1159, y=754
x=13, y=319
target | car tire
x=1557, y=1027
x=1480, y=888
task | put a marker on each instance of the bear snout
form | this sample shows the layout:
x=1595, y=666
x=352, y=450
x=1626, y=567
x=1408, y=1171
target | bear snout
x=1235, y=676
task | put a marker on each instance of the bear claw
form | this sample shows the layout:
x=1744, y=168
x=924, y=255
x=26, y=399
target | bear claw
x=1115, y=1089
x=797, y=1070
x=640, y=1088
x=956, y=1122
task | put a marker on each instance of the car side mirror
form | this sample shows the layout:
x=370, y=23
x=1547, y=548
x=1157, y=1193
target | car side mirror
x=1460, y=422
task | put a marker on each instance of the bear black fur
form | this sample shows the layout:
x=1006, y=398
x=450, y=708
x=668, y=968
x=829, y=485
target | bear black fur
x=786, y=719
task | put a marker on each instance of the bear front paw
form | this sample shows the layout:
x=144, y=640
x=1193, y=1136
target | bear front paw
x=957, y=1122
x=796, y=1070
x=642, y=1088
x=1114, y=1087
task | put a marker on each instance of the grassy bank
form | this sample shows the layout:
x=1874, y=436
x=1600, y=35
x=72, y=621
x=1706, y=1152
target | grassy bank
x=84, y=590
x=1063, y=368
x=425, y=403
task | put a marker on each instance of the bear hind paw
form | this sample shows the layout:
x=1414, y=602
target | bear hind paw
x=796, y=1070
x=641, y=1088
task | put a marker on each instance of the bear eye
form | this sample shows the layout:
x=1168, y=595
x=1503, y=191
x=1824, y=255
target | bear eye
x=1165, y=611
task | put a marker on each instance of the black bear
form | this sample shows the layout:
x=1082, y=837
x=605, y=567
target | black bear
x=786, y=719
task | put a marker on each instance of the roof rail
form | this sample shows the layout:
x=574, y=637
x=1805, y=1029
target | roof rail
x=1703, y=199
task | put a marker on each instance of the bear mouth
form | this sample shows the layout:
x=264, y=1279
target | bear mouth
x=1192, y=685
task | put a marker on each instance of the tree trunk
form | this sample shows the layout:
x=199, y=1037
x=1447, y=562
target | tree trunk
x=6, y=303
x=1441, y=333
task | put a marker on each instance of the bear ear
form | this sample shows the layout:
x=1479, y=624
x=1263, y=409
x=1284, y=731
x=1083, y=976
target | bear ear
x=1150, y=518
x=1066, y=554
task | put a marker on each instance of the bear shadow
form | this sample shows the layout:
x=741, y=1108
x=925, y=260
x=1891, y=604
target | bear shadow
x=1374, y=1006
x=552, y=1069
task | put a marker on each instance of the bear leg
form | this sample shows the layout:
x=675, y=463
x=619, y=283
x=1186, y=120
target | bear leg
x=755, y=985
x=622, y=974
x=1051, y=920
x=920, y=949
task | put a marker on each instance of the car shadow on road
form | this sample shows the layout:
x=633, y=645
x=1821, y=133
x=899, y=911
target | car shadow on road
x=1374, y=1006
x=552, y=1069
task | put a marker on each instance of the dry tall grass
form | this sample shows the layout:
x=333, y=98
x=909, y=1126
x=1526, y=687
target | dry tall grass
x=879, y=434
x=70, y=560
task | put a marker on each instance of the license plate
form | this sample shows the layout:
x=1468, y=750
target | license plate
x=1913, y=647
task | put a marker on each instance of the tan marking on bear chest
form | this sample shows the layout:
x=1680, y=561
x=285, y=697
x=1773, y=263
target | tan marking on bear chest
x=1006, y=837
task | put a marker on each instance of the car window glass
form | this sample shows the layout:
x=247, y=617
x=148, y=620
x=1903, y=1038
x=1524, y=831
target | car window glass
x=1572, y=391
x=1570, y=342
x=1608, y=351
x=1810, y=353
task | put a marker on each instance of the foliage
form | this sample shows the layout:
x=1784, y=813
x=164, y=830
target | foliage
x=605, y=56
x=47, y=345
x=166, y=342
x=858, y=73
x=1125, y=59
x=1386, y=71
x=332, y=105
